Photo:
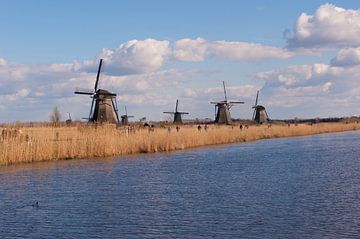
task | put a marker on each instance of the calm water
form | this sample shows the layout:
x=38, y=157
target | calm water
x=307, y=187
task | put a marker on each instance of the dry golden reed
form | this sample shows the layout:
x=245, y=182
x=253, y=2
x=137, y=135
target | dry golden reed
x=55, y=143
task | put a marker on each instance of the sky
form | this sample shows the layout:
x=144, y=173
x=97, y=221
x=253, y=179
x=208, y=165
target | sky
x=303, y=56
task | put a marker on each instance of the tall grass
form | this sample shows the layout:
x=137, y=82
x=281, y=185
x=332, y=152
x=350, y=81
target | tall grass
x=55, y=143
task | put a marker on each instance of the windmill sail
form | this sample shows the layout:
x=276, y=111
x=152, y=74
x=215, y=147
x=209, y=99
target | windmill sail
x=224, y=91
x=98, y=75
x=256, y=101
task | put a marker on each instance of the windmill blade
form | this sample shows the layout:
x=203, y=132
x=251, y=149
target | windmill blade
x=224, y=90
x=218, y=102
x=82, y=91
x=166, y=112
x=125, y=110
x=215, y=110
x=253, y=116
x=177, y=104
x=257, y=96
x=91, y=108
x=183, y=113
x=98, y=75
x=115, y=107
x=237, y=102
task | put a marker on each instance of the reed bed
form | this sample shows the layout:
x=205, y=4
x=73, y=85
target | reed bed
x=73, y=142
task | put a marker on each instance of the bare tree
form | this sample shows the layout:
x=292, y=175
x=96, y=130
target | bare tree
x=55, y=116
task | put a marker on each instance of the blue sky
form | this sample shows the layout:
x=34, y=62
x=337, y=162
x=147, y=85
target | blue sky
x=184, y=50
x=61, y=31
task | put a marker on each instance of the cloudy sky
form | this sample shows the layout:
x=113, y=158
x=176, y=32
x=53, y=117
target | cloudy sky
x=303, y=56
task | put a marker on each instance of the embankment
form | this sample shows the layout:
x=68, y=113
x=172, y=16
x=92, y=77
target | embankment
x=56, y=143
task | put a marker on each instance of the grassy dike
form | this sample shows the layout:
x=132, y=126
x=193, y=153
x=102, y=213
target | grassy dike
x=44, y=143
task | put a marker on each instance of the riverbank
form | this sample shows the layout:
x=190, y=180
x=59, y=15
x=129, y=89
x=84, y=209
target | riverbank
x=57, y=143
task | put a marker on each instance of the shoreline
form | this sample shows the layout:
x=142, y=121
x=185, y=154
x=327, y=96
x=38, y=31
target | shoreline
x=78, y=142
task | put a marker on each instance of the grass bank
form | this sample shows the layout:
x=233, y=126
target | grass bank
x=43, y=143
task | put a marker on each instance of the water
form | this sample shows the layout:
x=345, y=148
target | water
x=306, y=187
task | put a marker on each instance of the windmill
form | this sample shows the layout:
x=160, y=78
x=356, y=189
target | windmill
x=222, y=109
x=69, y=120
x=177, y=114
x=260, y=115
x=103, y=106
x=125, y=118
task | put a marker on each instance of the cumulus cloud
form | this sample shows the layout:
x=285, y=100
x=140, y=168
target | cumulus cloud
x=190, y=50
x=329, y=26
x=44, y=86
x=317, y=90
x=198, y=49
x=132, y=57
x=246, y=51
x=138, y=73
x=347, y=57
x=137, y=56
x=149, y=55
x=14, y=96
x=300, y=76
x=34, y=88
x=2, y=62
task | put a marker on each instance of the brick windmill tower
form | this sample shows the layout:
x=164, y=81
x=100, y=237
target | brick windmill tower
x=103, y=106
x=222, y=109
x=177, y=114
x=125, y=118
x=260, y=115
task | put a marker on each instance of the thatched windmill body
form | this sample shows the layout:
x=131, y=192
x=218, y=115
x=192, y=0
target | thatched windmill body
x=260, y=115
x=103, y=107
x=125, y=118
x=222, y=109
x=177, y=114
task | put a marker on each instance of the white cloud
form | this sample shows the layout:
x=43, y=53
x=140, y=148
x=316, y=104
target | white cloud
x=190, y=50
x=44, y=86
x=198, y=49
x=329, y=26
x=2, y=62
x=135, y=71
x=140, y=83
x=135, y=57
x=149, y=55
x=32, y=90
x=190, y=93
x=347, y=57
x=23, y=92
x=317, y=90
x=246, y=51
x=14, y=96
